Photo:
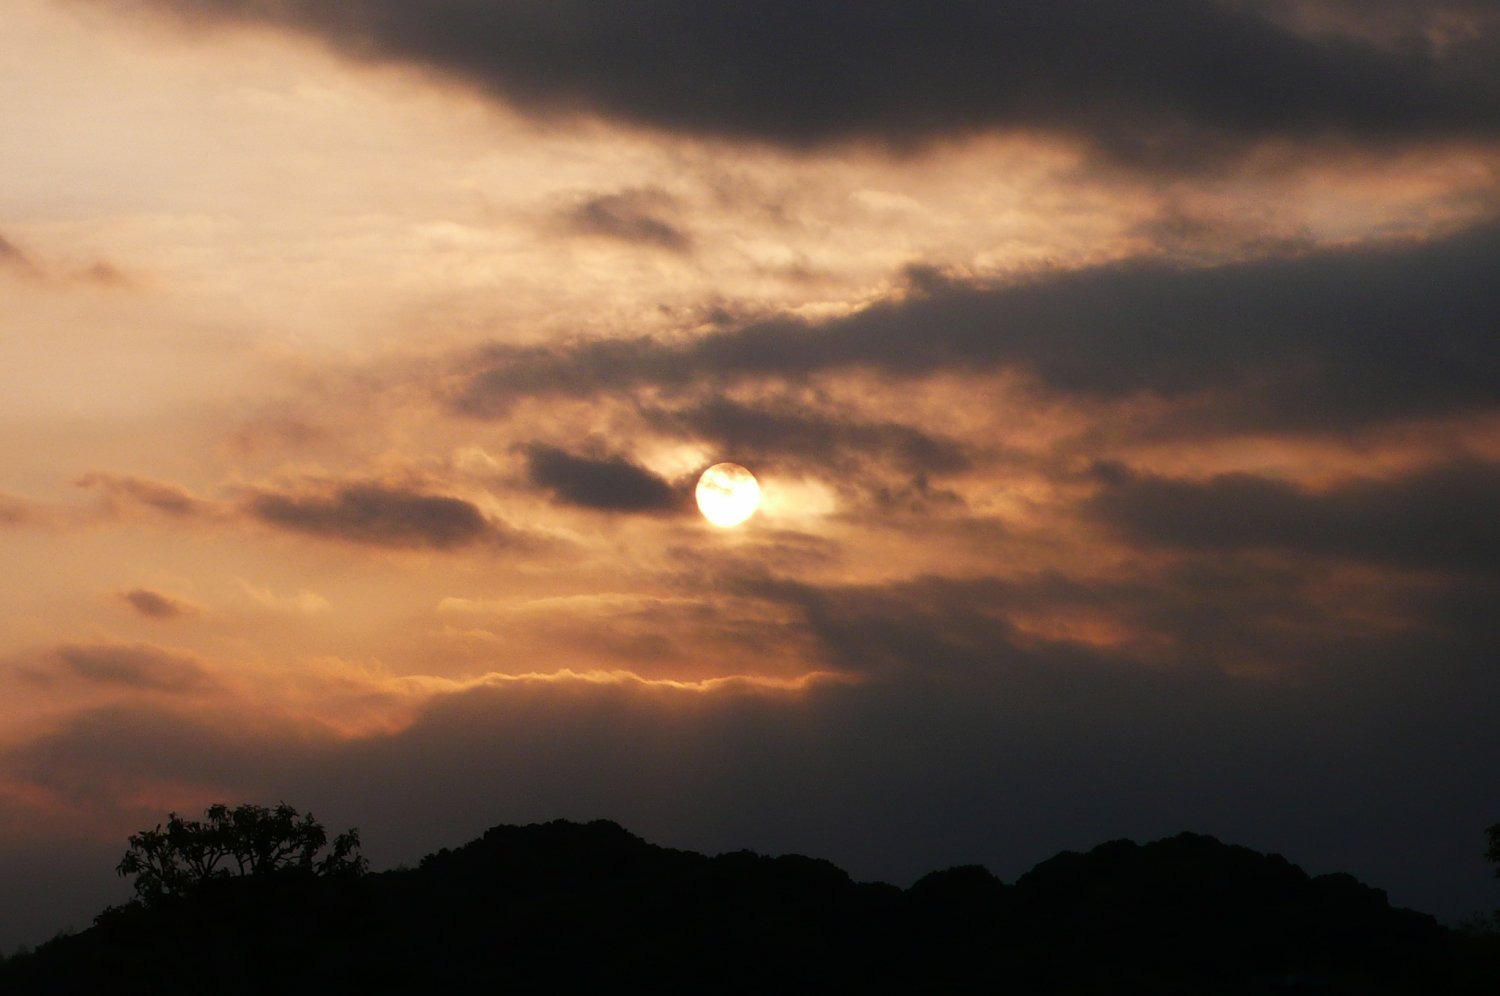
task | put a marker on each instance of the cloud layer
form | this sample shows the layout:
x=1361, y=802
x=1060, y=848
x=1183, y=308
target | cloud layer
x=1332, y=339
x=1161, y=83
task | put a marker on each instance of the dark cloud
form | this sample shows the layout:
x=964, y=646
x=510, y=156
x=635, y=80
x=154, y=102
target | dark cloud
x=155, y=605
x=606, y=483
x=783, y=430
x=634, y=216
x=1324, y=340
x=378, y=515
x=1394, y=24
x=1445, y=517
x=1219, y=615
x=163, y=496
x=1163, y=82
x=138, y=666
x=204, y=746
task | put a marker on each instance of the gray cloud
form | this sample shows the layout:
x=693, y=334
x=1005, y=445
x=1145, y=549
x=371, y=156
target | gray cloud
x=1192, y=617
x=632, y=216
x=155, y=605
x=1325, y=340
x=139, y=666
x=378, y=515
x=165, y=497
x=1442, y=517
x=783, y=430
x=607, y=483
x=1167, y=83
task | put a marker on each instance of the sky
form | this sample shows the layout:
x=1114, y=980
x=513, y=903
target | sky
x=1122, y=381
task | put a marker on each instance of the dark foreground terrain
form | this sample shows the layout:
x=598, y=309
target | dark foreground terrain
x=572, y=908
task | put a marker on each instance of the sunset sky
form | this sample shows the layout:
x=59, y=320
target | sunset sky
x=1123, y=382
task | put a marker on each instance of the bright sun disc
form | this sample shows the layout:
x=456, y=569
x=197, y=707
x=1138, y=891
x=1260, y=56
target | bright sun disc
x=727, y=494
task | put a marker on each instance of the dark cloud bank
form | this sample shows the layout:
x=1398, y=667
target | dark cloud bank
x=1445, y=517
x=967, y=742
x=1163, y=82
x=1329, y=340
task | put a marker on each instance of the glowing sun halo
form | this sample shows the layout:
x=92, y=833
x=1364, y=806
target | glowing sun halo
x=727, y=494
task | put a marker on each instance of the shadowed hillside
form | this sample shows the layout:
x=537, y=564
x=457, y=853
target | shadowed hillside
x=567, y=907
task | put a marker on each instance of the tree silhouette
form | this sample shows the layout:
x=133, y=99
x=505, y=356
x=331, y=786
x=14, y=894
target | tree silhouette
x=248, y=840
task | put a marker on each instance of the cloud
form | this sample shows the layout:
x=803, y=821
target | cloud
x=1165, y=83
x=889, y=777
x=606, y=483
x=1442, y=517
x=155, y=605
x=378, y=515
x=137, y=666
x=100, y=273
x=786, y=430
x=632, y=216
x=304, y=602
x=1332, y=339
x=1219, y=615
x=151, y=745
x=12, y=257
x=162, y=496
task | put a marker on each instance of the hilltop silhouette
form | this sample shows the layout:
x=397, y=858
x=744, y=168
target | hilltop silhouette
x=584, y=908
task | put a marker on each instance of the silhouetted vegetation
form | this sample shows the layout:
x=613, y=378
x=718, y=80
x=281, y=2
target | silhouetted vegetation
x=170, y=862
x=573, y=908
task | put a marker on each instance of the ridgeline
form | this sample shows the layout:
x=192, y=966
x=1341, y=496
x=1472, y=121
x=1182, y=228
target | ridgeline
x=589, y=908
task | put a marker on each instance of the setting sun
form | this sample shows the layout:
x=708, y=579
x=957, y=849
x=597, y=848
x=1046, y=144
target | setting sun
x=727, y=494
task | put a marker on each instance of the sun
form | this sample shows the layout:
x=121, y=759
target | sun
x=727, y=494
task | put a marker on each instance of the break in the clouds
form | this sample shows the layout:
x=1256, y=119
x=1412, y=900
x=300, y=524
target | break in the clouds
x=607, y=483
x=1334, y=338
x=377, y=515
x=1159, y=82
x=1442, y=517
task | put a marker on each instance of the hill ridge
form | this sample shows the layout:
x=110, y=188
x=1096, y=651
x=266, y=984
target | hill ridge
x=565, y=907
